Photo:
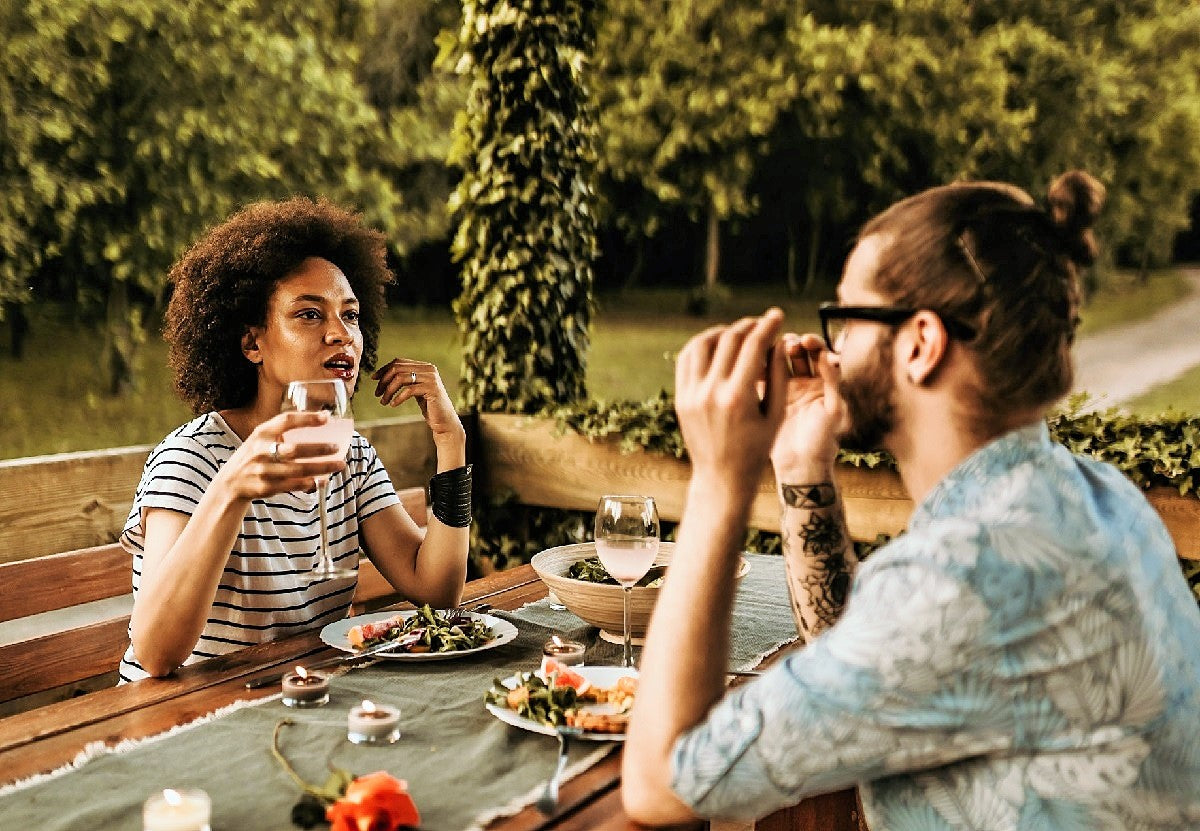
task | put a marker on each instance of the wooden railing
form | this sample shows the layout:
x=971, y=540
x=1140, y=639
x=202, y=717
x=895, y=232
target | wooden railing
x=528, y=458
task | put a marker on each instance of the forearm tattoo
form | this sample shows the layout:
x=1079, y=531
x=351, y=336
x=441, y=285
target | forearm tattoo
x=820, y=495
x=820, y=571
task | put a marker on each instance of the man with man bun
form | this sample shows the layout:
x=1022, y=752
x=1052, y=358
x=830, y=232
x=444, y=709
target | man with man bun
x=1026, y=655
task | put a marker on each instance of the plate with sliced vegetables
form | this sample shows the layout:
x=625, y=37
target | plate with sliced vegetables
x=423, y=634
x=595, y=699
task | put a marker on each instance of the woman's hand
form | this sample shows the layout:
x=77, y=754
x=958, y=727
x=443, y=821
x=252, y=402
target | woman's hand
x=402, y=378
x=266, y=464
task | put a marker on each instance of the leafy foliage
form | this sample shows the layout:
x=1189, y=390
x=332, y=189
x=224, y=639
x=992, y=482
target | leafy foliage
x=505, y=533
x=132, y=125
x=640, y=425
x=419, y=99
x=526, y=236
x=688, y=93
x=820, y=113
x=1163, y=451
x=527, y=231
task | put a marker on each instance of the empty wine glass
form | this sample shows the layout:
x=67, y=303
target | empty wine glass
x=627, y=543
x=313, y=397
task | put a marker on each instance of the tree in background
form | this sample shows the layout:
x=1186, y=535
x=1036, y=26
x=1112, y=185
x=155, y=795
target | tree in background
x=526, y=237
x=126, y=128
x=1019, y=91
x=1113, y=87
x=821, y=112
x=688, y=93
x=418, y=99
x=132, y=125
x=893, y=99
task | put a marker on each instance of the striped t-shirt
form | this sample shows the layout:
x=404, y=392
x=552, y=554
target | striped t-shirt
x=263, y=594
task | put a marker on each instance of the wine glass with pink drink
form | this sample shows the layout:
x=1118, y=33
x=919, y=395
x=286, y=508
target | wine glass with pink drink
x=627, y=543
x=322, y=396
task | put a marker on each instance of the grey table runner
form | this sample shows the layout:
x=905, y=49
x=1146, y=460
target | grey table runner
x=463, y=766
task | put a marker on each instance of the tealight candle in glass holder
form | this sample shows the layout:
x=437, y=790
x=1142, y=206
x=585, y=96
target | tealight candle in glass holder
x=371, y=723
x=567, y=653
x=177, y=810
x=305, y=689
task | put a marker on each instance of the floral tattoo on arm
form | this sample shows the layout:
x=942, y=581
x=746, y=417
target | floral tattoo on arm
x=818, y=555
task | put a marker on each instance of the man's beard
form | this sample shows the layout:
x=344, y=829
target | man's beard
x=869, y=401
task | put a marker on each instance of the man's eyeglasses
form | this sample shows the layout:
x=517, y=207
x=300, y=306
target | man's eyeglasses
x=835, y=317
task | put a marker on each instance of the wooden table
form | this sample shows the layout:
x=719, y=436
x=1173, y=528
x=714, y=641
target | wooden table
x=49, y=737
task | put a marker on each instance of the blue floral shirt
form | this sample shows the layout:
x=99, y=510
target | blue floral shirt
x=1026, y=656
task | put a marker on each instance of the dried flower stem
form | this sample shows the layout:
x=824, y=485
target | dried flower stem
x=286, y=765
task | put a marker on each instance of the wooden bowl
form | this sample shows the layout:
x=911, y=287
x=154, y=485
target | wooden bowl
x=600, y=604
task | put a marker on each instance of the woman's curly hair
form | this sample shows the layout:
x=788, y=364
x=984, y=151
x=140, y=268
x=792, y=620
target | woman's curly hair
x=223, y=283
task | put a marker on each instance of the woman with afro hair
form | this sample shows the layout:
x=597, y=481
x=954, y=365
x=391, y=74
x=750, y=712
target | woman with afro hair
x=224, y=525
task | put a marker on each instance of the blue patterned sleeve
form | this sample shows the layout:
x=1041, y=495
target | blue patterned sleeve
x=875, y=695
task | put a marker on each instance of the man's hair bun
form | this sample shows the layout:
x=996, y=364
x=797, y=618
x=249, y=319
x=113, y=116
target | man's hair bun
x=1075, y=199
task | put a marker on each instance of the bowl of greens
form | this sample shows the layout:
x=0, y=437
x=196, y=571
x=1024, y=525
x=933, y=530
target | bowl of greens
x=575, y=575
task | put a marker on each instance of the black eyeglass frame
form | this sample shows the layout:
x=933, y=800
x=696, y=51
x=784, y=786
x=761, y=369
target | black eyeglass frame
x=888, y=315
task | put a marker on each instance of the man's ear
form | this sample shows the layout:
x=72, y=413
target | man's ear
x=250, y=345
x=926, y=346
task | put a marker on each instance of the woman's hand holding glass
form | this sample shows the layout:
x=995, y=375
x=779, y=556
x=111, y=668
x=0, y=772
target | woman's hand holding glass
x=267, y=464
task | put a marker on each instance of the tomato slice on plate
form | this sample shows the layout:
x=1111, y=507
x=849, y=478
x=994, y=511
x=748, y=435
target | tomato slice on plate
x=564, y=676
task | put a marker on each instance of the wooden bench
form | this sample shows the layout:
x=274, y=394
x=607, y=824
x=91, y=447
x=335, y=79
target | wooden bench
x=67, y=614
x=83, y=657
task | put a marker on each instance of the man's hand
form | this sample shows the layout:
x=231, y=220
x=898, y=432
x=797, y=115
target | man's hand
x=815, y=413
x=729, y=396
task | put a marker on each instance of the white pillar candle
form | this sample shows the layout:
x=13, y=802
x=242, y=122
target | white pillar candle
x=177, y=810
x=371, y=723
x=567, y=653
x=305, y=689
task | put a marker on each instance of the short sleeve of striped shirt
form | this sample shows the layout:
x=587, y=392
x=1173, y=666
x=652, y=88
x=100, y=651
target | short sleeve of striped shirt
x=177, y=473
x=372, y=486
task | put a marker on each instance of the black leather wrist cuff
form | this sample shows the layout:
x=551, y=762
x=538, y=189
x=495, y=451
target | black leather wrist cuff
x=450, y=496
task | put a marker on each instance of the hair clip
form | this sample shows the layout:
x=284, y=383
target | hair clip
x=961, y=242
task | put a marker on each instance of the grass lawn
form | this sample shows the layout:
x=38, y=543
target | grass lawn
x=1126, y=299
x=52, y=401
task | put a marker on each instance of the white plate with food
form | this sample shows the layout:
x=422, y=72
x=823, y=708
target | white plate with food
x=420, y=635
x=601, y=709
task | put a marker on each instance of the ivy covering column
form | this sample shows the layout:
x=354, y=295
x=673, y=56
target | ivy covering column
x=526, y=236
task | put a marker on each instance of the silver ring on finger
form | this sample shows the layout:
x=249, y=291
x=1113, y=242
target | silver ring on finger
x=275, y=452
x=413, y=376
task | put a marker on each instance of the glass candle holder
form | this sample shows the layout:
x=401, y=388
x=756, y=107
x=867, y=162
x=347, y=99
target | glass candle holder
x=305, y=689
x=371, y=723
x=567, y=653
x=177, y=810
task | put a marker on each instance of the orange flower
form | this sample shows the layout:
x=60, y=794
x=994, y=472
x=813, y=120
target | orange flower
x=374, y=802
